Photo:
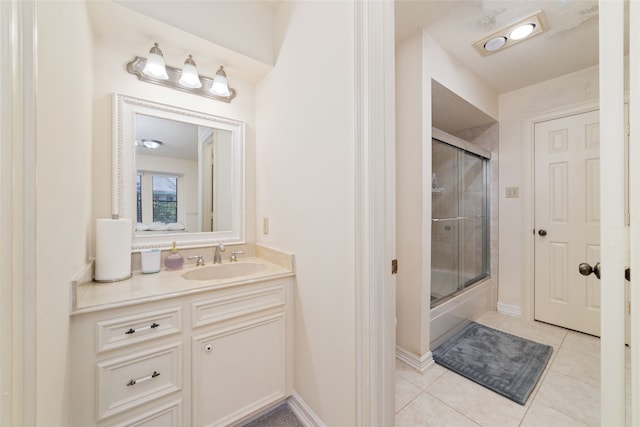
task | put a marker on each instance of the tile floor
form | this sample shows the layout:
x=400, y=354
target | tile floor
x=568, y=394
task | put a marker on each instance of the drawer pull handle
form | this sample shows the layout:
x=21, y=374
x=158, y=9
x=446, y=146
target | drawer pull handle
x=139, y=380
x=133, y=331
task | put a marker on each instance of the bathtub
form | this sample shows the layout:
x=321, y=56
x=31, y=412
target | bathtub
x=453, y=314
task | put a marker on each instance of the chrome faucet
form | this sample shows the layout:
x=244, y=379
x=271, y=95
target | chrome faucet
x=233, y=257
x=199, y=260
x=217, y=257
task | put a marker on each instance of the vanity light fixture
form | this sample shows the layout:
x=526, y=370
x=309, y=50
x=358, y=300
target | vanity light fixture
x=155, y=66
x=511, y=34
x=220, y=86
x=189, y=77
x=151, y=70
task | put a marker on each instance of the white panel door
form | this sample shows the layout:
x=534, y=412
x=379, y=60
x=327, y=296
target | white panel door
x=567, y=220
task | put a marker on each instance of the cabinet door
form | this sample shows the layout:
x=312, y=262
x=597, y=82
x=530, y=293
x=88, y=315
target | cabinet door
x=238, y=370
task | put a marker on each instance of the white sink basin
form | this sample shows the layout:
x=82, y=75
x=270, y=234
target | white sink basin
x=224, y=271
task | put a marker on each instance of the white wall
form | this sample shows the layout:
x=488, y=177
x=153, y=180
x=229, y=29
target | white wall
x=242, y=26
x=456, y=77
x=515, y=160
x=419, y=59
x=63, y=191
x=305, y=187
x=413, y=130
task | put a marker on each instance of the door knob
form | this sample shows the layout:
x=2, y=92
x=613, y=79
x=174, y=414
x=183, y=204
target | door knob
x=542, y=232
x=585, y=269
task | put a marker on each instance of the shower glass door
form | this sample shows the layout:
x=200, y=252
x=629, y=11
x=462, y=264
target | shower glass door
x=460, y=228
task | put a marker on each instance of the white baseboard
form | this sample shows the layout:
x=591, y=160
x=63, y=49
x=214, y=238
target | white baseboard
x=511, y=310
x=417, y=363
x=303, y=411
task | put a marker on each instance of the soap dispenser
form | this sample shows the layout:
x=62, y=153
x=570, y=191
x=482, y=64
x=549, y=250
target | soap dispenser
x=174, y=261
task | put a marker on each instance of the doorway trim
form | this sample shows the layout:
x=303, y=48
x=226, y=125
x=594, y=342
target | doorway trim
x=17, y=216
x=528, y=186
x=375, y=290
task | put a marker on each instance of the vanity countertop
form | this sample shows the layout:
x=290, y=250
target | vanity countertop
x=140, y=288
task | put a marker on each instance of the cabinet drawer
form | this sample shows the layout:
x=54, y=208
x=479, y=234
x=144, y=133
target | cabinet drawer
x=169, y=415
x=141, y=377
x=236, y=304
x=132, y=329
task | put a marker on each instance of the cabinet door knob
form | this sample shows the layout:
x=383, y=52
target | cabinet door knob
x=542, y=232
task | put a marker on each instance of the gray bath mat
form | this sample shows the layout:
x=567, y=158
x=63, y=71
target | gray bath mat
x=504, y=363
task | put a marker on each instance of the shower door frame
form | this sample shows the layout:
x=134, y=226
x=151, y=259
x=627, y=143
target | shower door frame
x=445, y=138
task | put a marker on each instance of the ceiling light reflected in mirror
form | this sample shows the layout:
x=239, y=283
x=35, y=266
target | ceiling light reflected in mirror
x=151, y=143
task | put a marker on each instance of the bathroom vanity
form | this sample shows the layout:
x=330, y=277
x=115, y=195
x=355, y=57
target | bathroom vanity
x=164, y=350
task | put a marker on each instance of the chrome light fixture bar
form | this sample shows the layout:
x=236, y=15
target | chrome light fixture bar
x=173, y=81
x=511, y=34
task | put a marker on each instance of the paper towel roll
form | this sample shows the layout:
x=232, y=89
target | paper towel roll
x=113, y=250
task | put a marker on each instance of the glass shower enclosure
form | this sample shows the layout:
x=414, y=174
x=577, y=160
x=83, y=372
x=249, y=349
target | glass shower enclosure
x=460, y=219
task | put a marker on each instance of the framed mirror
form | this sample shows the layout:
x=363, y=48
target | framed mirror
x=178, y=174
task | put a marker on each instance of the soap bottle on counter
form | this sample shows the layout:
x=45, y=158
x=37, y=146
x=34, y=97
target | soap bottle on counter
x=174, y=261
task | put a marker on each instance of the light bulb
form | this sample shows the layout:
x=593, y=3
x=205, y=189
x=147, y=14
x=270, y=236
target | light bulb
x=220, y=86
x=522, y=31
x=155, y=66
x=495, y=44
x=189, y=77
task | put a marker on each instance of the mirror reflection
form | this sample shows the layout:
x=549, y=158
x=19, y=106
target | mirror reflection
x=178, y=174
x=183, y=177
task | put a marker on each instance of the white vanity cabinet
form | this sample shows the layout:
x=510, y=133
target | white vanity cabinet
x=210, y=358
x=239, y=353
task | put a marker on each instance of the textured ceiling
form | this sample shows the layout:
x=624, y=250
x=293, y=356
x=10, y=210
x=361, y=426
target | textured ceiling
x=570, y=42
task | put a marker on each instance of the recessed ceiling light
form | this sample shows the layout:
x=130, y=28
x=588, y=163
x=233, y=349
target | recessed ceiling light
x=495, y=43
x=522, y=31
x=511, y=34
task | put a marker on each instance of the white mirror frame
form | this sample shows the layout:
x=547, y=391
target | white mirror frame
x=125, y=109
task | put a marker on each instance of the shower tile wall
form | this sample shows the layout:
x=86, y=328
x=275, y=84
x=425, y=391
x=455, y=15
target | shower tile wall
x=445, y=205
x=472, y=207
x=486, y=137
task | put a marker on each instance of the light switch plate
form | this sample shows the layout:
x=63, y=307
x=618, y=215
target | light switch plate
x=512, y=192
